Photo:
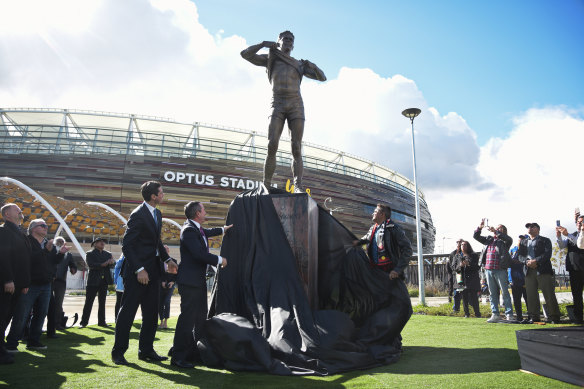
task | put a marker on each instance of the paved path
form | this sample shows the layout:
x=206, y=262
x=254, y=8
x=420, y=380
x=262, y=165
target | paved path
x=73, y=304
x=563, y=297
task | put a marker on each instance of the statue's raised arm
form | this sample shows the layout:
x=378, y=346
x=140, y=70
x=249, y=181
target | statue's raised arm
x=251, y=55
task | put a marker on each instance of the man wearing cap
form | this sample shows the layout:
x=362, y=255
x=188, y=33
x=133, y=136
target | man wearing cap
x=99, y=262
x=574, y=265
x=145, y=256
x=14, y=269
x=496, y=247
x=535, y=252
x=44, y=257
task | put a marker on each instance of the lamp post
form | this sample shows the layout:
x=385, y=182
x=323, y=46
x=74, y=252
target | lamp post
x=411, y=114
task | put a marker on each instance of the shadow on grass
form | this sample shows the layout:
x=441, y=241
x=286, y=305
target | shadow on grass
x=444, y=360
x=43, y=368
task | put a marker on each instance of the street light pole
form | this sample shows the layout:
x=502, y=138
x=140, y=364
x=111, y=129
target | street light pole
x=411, y=114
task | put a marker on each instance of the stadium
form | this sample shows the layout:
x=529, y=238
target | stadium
x=71, y=158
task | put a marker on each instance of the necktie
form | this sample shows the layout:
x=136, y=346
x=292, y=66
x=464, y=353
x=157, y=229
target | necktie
x=204, y=237
x=155, y=215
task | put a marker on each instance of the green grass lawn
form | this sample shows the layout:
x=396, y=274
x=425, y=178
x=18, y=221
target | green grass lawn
x=439, y=352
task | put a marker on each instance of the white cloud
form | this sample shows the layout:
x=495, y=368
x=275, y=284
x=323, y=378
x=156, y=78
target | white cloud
x=533, y=174
x=155, y=58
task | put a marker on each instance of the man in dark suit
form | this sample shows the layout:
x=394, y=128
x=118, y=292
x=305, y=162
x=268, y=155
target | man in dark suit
x=195, y=256
x=99, y=262
x=145, y=255
x=15, y=252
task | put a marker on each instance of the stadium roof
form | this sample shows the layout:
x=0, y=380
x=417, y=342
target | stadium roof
x=99, y=131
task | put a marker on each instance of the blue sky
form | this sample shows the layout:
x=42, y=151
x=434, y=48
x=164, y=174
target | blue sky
x=487, y=61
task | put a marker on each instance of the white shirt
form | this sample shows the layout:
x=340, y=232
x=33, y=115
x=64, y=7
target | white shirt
x=220, y=260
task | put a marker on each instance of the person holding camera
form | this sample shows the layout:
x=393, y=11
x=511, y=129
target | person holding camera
x=494, y=257
x=574, y=264
x=453, y=293
x=466, y=266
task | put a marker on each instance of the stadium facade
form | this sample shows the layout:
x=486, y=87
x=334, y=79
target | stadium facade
x=73, y=157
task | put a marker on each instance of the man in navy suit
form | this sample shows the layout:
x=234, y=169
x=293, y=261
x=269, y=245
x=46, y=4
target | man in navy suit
x=143, y=266
x=195, y=256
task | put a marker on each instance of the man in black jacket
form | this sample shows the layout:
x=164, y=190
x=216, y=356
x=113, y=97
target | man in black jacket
x=574, y=265
x=14, y=269
x=387, y=245
x=60, y=285
x=195, y=256
x=144, y=257
x=42, y=260
x=535, y=252
x=99, y=262
x=452, y=287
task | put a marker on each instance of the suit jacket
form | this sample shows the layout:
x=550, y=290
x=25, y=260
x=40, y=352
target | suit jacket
x=94, y=259
x=141, y=240
x=543, y=254
x=15, y=252
x=194, y=257
x=67, y=263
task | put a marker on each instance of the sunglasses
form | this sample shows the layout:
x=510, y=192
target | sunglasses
x=42, y=225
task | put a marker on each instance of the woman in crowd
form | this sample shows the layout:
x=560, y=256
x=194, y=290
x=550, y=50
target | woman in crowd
x=467, y=265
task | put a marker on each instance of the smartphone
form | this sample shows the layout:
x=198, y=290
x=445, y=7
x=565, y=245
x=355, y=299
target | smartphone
x=486, y=222
x=558, y=223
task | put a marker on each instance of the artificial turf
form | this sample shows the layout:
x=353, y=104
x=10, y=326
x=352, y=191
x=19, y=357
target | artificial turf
x=439, y=352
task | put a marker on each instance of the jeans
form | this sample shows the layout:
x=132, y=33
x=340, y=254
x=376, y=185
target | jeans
x=39, y=294
x=498, y=280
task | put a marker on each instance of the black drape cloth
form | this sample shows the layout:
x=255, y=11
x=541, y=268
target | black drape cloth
x=260, y=318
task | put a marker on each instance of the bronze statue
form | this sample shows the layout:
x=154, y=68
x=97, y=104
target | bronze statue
x=285, y=74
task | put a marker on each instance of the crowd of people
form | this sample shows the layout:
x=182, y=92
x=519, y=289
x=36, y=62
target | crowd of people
x=33, y=273
x=526, y=268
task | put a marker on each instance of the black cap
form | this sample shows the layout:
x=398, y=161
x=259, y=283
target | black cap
x=97, y=240
x=532, y=225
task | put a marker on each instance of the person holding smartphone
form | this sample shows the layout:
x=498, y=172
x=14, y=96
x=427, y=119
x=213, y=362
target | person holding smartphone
x=574, y=264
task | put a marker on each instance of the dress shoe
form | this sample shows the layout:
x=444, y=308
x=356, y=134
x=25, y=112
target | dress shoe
x=181, y=364
x=151, y=356
x=104, y=325
x=119, y=360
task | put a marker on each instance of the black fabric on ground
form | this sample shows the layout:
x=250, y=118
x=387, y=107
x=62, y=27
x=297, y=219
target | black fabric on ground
x=260, y=318
x=553, y=352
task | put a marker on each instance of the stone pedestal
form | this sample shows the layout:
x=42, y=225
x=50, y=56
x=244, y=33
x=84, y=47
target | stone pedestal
x=298, y=214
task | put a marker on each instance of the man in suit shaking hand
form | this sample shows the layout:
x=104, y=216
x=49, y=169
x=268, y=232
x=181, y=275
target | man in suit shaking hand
x=195, y=256
x=145, y=255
